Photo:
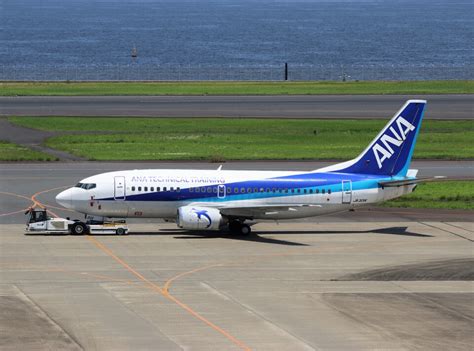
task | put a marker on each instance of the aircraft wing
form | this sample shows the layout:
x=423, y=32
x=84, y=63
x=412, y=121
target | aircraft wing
x=252, y=211
x=409, y=181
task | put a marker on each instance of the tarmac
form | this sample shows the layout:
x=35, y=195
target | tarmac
x=452, y=106
x=375, y=278
x=289, y=286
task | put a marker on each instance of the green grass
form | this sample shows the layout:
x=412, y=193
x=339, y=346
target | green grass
x=236, y=88
x=14, y=152
x=445, y=194
x=222, y=139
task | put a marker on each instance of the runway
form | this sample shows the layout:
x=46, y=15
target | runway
x=287, y=106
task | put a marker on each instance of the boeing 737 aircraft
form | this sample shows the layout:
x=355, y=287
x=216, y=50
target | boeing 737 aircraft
x=219, y=199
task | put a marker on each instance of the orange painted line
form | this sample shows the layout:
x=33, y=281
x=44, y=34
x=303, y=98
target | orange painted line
x=39, y=203
x=16, y=195
x=170, y=281
x=14, y=212
x=157, y=288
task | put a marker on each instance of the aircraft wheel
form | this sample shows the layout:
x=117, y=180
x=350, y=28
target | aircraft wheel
x=120, y=231
x=234, y=227
x=237, y=227
x=245, y=230
x=79, y=228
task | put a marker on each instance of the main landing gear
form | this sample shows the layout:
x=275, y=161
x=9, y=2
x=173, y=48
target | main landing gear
x=238, y=227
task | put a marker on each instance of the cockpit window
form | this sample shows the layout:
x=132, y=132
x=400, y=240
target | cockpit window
x=86, y=186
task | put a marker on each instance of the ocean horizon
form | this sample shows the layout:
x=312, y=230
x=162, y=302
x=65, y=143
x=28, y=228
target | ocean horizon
x=236, y=39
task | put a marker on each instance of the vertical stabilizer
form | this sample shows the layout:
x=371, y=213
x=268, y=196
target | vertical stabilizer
x=391, y=151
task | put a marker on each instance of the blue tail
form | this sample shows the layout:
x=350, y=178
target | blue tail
x=391, y=151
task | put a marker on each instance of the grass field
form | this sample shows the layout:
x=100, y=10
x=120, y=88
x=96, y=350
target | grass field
x=14, y=152
x=236, y=88
x=221, y=139
x=444, y=194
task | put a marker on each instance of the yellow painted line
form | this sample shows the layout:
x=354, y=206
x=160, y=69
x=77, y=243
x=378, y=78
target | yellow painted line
x=166, y=294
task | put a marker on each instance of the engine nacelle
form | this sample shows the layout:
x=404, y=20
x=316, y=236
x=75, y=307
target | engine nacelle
x=199, y=218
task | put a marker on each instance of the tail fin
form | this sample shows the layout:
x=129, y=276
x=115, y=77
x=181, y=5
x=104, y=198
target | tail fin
x=391, y=151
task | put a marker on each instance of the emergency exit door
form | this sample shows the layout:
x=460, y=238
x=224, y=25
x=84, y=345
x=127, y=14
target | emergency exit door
x=346, y=191
x=119, y=188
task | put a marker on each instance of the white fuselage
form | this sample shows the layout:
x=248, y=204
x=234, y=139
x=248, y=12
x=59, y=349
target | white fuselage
x=159, y=193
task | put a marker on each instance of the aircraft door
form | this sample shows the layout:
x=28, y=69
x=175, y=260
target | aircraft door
x=221, y=191
x=119, y=188
x=346, y=191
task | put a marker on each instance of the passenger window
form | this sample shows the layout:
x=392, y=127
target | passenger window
x=178, y=189
x=329, y=191
x=197, y=190
x=209, y=190
x=305, y=191
x=164, y=188
x=236, y=190
x=146, y=188
x=286, y=190
x=133, y=188
x=229, y=190
x=262, y=190
x=157, y=188
x=242, y=190
x=317, y=191
x=323, y=191
x=255, y=190
x=214, y=189
x=273, y=190
x=139, y=188
x=267, y=190
x=249, y=190
x=310, y=191
x=152, y=189
x=292, y=190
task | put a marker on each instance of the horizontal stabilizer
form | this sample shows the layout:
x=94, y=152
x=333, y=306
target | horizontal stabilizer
x=410, y=181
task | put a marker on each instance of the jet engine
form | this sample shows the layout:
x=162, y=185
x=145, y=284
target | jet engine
x=199, y=218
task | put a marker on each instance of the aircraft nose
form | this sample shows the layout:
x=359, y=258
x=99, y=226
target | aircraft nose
x=64, y=198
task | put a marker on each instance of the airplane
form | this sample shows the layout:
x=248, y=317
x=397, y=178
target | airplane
x=221, y=199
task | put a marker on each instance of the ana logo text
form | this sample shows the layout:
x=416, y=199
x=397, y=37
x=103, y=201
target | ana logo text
x=383, y=148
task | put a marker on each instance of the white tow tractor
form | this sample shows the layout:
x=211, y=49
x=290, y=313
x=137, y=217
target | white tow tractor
x=39, y=222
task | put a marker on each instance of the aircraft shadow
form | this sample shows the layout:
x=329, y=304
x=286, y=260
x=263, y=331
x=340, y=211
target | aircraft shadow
x=403, y=231
x=255, y=237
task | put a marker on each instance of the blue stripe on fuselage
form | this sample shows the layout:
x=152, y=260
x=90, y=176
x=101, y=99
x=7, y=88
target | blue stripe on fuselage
x=294, y=183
